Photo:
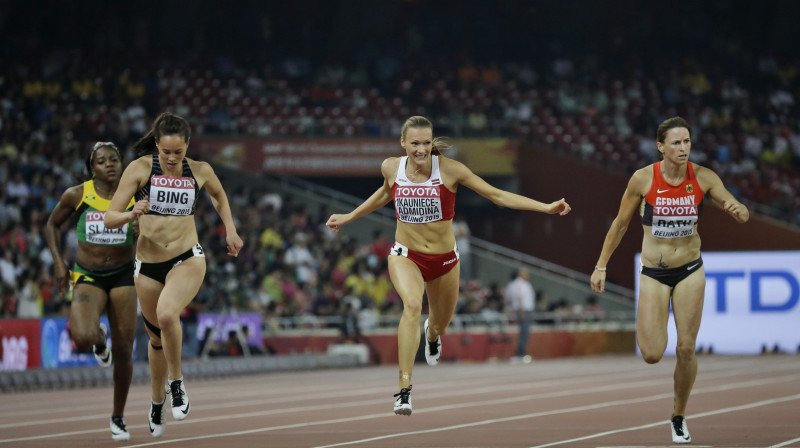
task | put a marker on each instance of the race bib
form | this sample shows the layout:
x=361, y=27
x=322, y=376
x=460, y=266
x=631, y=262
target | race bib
x=97, y=233
x=418, y=204
x=172, y=195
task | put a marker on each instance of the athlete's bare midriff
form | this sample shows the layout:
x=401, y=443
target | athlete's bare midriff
x=429, y=238
x=669, y=252
x=162, y=238
x=98, y=257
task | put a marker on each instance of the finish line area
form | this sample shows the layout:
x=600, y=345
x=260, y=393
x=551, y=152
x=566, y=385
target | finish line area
x=600, y=401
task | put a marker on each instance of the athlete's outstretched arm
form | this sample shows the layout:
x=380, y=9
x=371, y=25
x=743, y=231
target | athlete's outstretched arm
x=503, y=198
x=381, y=197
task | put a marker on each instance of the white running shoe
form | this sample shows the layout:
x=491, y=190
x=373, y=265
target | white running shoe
x=158, y=417
x=180, y=401
x=119, y=432
x=102, y=353
x=433, y=350
x=680, y=432
x=402, y=402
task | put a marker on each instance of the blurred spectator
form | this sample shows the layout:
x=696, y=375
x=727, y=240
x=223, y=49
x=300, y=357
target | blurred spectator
x=232, y=345
x=593, y=312
x=8, y=269
x=462, y=233
x=299, y=257
x=30, y=298
x=368, y=317
x=349, y=328
x=522, y=299
x=380, y=244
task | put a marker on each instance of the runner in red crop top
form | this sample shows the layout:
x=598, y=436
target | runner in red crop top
x=672, y=211
x=424, y=258
x=669, y=195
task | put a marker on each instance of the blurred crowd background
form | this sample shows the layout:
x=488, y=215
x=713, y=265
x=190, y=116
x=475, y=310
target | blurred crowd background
x=590, y=80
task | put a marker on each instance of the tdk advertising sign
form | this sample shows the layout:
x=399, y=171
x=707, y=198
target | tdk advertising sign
x=752, y=302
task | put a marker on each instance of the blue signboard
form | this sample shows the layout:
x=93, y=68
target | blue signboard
x=57, y=347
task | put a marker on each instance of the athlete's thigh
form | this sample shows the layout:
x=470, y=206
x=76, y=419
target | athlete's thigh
x=443, y=293
x=148, y=290
x=182, y=284
x=406, y=278
x=652, y=314
x=122, y=312
x=88, y=303
x=687, y=304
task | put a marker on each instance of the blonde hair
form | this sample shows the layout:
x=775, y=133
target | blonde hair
x=439, y=144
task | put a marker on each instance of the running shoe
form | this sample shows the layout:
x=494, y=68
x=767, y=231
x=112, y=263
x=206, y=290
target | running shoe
x=101, y=352
x=180, y=401
x=680, y=432
x=158, y=417
x=119, y=432
x=402, y=402
x=433, y=349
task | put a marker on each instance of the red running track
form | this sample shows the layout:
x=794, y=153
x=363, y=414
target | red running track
x=614, y=401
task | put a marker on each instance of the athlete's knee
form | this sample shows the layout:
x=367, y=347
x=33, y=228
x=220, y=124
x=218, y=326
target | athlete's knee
x=83, y=340
x=685, y=351
x=652, y=358
x=122, y=352
x=412, y=307
x=84, y=336
x=167, y=318
x=651, y=355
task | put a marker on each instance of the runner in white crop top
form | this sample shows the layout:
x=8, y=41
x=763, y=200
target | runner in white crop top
x=429, y=201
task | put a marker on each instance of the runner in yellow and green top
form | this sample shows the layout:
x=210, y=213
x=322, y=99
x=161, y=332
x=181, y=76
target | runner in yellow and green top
x=102, y=278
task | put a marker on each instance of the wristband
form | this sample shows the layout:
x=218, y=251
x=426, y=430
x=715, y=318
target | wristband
x=598, y=268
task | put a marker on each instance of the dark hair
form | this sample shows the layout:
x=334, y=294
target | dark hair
x=439, y=144
x=95, y=147
x=166, y=124
x=674, y=122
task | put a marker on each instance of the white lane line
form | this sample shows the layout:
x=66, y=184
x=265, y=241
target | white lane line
x=550, y=371
x=316, y=396
x=792, y=378
x=557, y=394
x=278, y=395
x=786, y=443
x=493, y=389
x=665, y=422
x=434, y=409
x=719, y=370
x=570, y=392
x=562, y=411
